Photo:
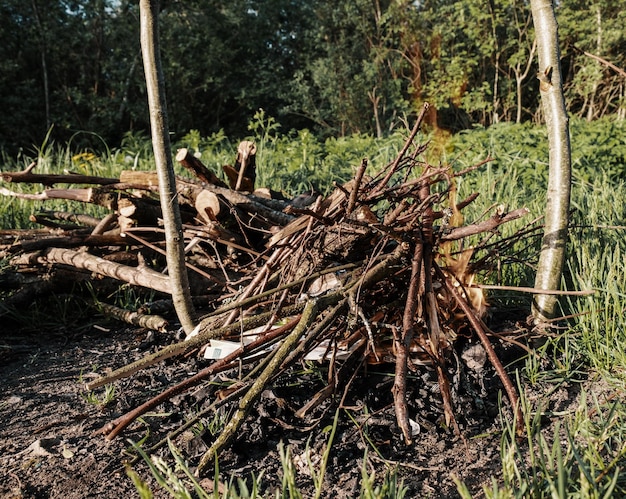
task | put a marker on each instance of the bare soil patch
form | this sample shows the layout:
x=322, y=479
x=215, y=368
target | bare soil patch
x=48, y=447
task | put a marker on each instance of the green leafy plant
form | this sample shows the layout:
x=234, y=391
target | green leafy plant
x=103, y=400
x=390, y=488
x=181, y=483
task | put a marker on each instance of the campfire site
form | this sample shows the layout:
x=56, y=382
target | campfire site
x=348, y=333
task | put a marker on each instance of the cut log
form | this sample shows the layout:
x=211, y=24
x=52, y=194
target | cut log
x=72, y=241
x=208, y=206
x=188, y=192
x=133, y=177
x=154, y=322
x=76, y=218
x=242, y=176
x=101, y=197
x=193, y=164
x=138, y=212
x=140, y=276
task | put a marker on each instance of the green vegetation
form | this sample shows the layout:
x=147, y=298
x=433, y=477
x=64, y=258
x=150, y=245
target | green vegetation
x=337, y=68
x=324, y=84
x=582, y=458
x=181, y=483
x=103, y=400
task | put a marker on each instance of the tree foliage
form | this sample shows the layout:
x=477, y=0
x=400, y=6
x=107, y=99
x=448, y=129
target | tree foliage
x=335, y=68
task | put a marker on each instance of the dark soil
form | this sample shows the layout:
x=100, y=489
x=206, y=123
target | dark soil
x=48, y=447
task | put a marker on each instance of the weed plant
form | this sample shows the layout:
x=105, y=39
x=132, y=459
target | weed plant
x=581, y=454
x=180, y=482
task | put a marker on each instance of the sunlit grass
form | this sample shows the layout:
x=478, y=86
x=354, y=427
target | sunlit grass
x=580, y=456
x=179, y=480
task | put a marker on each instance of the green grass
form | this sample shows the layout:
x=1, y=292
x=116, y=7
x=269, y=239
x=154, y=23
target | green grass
x=103, y=400
x=176, y=477
x=581, y=455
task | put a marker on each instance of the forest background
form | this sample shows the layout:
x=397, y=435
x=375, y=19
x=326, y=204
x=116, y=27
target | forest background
x=336, y=68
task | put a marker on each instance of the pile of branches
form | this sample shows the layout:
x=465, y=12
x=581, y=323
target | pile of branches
x=378, y=271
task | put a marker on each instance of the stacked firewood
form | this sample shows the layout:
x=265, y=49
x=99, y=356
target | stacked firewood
x=375, y=272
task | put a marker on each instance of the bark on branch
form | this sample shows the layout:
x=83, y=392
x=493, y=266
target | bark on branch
x=140, y=276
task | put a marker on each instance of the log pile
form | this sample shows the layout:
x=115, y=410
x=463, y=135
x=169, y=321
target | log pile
x=378, y=271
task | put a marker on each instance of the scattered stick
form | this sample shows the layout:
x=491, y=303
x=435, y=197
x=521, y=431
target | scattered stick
x=308, y=316
x=194, y=342
x=153, y=322
x=189, y=161
x=524, y=289
x=491, y=354
x=403, y=341
x=140, y=276
x=27, y=176
x=115, y=427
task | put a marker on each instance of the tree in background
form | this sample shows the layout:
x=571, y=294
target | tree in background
x=350, y=76
x=594, y=57
x=333, y=67
x=72, y=65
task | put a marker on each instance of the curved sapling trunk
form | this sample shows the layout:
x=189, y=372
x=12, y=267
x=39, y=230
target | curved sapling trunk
x=155, y=86
x=554, y=241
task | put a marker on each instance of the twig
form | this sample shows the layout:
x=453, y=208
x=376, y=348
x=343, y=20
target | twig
x=355, y=187
x=114, y=428
x=190, y=266
x=523, y=289
x=308, y=315
x=403, y=341
x=189, y=344
x=491, y=354
x=409, y=141
x=486, y=226
x=262, y=274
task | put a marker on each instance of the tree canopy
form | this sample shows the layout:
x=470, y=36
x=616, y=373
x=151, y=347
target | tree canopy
x=336, y=68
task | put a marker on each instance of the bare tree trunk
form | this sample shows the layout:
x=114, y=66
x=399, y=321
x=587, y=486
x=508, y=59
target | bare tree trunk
x=554, y=240
x=155, y=86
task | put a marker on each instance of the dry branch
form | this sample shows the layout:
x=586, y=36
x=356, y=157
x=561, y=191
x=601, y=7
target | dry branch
x=114, y=428
x=140, y=276
x=153, y=322
x=27, y=176
x=193, y=164
x=99, y=196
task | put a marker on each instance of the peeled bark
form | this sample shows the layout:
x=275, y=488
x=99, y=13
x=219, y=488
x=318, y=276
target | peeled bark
x=174, y=240
x=554, y=241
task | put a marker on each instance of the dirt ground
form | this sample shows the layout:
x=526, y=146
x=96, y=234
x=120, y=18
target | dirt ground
x=48, y=447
